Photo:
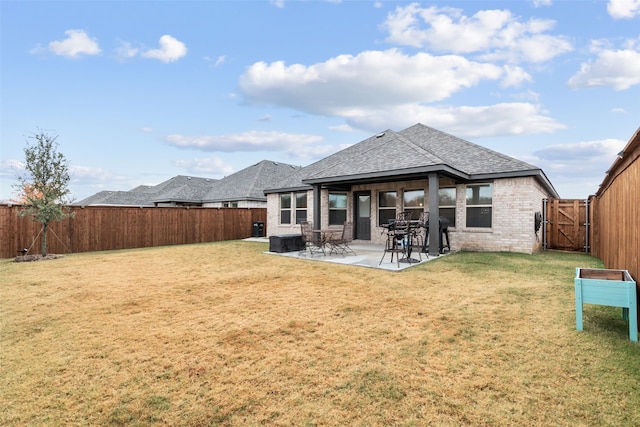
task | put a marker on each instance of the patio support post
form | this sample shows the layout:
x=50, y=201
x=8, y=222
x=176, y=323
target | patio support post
x=317, y=211
x=434, y=216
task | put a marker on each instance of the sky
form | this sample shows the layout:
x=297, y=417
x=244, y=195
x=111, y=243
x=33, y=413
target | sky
x=137, y=92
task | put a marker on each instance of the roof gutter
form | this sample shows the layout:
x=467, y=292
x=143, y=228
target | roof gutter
x=389, y=175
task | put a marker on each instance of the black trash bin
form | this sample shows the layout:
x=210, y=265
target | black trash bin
x=258, y=229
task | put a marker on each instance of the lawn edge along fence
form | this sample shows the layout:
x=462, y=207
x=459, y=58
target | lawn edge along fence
x=100, y=228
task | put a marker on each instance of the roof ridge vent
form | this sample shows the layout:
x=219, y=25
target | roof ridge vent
x=380, y=135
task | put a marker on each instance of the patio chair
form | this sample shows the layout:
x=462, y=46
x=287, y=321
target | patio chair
x=340, y=244
x=396, y=231
x=404, y=216
x=311, y=239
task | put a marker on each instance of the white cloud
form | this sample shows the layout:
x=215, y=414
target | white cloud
x=373, y=78
x=623, y=9
x=579, y=167
x=576, y=169
x=618, y=69
x=294, y=146
x=10, y=167
x=496, y=34
x=171, y=49
x=208, y=166
x=246, y=141
x=77, y=43
x=582, y=151
x=216, y=62
x=465, y=122
x=86, y=181
x=342, y=128
x=93, y=174
x=388, y=89
x=515, y=76
x=541, y=3
x=125, y=51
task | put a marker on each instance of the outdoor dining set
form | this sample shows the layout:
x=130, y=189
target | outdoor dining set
x=335, y=240
x=405, y=238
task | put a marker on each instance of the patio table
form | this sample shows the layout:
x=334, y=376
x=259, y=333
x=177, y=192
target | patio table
x=323, y=236
x=408, y=239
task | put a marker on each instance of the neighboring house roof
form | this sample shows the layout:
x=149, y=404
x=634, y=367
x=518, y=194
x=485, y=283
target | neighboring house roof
x=108, y=198
x=249, y=183
x=184, y=189
x=410, y=154
x=180, y=188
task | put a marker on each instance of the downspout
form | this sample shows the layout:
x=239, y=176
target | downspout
x=434, y=216
x=544, y=224
x=317, y=209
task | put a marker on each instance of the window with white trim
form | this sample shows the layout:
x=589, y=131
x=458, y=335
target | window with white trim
x=479, y=205
x=285, y=208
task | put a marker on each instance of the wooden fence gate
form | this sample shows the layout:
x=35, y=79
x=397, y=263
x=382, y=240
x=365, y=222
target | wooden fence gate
x=566, y=225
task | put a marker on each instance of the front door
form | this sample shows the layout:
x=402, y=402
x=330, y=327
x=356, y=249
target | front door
x=362, y=213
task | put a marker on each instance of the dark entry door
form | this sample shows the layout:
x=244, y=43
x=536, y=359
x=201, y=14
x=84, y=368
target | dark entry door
x=362, y=213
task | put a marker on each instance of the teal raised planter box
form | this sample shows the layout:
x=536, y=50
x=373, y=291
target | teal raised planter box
x=614, y=288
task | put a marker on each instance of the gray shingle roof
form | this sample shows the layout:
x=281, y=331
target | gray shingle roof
x=123, y=198
x=183, y=189
x=249, y=183
x=414, y=151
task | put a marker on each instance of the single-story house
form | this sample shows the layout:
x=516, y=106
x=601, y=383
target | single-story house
x=490, y=200
x=243, y=189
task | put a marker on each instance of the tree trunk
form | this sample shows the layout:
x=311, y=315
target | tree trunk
x=44, y=239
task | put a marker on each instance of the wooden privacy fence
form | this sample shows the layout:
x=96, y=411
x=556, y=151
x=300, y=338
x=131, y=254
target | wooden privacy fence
x=566, y=225
x=616, y=213
x=99, y=228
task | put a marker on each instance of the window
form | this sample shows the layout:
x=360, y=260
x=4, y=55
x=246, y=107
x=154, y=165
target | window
x=479, y=204
x=337, y=208
x=301, y=207
x=447, y=204
x=285, y=208
x=386, y=207
x=414, y=202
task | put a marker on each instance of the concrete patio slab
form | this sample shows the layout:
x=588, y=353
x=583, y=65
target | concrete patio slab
x=366, y=256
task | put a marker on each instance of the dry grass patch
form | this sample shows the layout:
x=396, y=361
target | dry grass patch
x=221, y=334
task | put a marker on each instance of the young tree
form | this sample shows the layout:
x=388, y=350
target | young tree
x=43, y=188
